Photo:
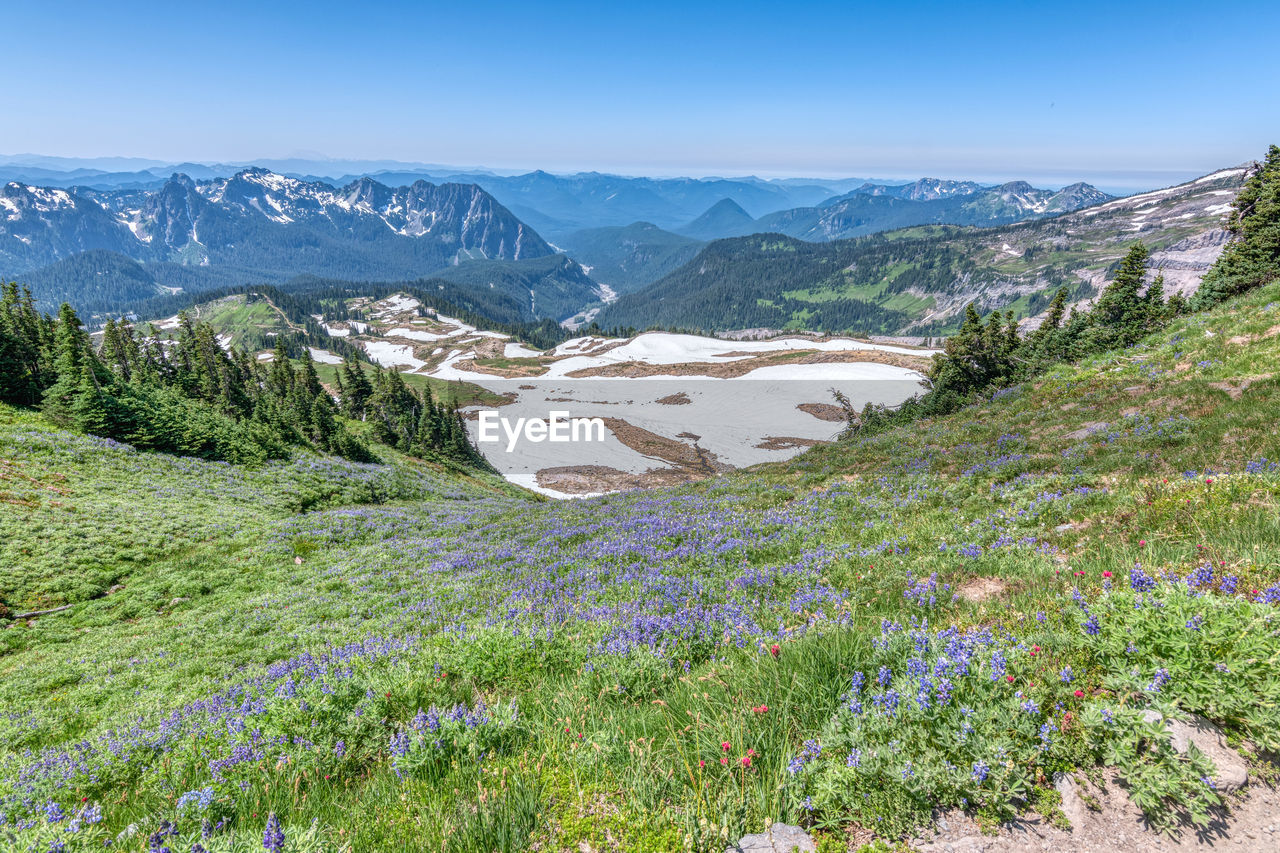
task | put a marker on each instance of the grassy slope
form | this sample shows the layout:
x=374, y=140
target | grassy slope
x=634, y=631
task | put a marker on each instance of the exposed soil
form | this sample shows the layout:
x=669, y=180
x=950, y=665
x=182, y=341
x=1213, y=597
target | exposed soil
x=823, y=411
x=980, y=589
x=1252, y=824
x=678, y=399
x=589, y=479
x=1237, y=388
x=693, y=461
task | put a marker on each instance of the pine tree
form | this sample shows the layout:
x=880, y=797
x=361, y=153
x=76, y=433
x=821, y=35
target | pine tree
x=1120, y=316
x=1156, y=308
x=72, y=348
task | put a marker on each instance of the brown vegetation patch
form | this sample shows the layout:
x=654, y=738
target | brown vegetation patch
x=517, y=371
x=782, y=442
x=980, y=589
x=678, y=399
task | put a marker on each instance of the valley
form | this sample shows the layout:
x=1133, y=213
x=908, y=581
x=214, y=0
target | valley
x=741, y=402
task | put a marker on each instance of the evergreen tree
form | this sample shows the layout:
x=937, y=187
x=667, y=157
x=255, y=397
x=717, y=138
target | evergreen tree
x=1121, y=315
x=1252, y=258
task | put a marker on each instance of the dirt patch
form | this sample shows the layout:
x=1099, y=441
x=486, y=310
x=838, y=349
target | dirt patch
x=1104, y=820
x=678, y=399
x=589, y=479
x=1235, y=390
x=734, y=369
x=823, y=411
x=694, y=461
x=980, y=589
x=1086, y=430
x=782, y=442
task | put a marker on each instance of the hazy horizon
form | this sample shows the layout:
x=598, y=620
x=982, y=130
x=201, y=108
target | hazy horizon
x=1113, y=181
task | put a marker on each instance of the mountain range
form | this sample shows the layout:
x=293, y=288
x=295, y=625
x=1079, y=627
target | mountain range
x=881, y=207
x=105, y=248
x=917, y=280
x=260, y=226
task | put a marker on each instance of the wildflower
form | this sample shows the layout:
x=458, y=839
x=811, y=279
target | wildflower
x=775, y=650
x=1009, y=678
x=1079, y=694
x=1159, y=680
x=724, y=760
x=702, y=763
x=854, y=759
x=726, y=746
x=746, y=760
x=273, y=835
x=1107, y=573
x=980, y=771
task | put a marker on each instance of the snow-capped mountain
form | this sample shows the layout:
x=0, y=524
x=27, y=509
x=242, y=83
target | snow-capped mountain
x=260, y=220
x=925, y=189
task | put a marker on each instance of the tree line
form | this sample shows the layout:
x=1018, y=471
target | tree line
x=191, y=396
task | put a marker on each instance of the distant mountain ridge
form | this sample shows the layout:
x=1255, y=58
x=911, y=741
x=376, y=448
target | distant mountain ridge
x=258, y=225
x=883, y=207
x=724, y=218
x=917, y=280
x=628, y=257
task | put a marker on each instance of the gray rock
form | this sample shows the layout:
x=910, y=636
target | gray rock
x=1073, y=805
x=1232, y=770
x=1087, y=430
x=779, y=838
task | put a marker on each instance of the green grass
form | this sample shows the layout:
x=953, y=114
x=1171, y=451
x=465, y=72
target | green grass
x=502, y=599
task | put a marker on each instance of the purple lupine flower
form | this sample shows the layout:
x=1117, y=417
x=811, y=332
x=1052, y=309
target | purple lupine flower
x=273, y=835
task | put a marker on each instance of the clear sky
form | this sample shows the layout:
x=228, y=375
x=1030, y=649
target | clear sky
x=1115, y=92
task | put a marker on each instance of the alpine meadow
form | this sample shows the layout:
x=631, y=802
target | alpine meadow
x=915, y=515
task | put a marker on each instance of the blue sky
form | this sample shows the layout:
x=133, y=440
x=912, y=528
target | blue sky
x=1123, y=94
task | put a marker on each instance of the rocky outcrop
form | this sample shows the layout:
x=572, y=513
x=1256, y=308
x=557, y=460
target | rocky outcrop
x=779, y=838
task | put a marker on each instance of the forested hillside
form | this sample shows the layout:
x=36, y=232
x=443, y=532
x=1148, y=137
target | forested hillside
x=193, y=394
x=629, y=257
x=919, y=280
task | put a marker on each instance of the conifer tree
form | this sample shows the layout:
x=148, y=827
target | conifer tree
x=1252, y=258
